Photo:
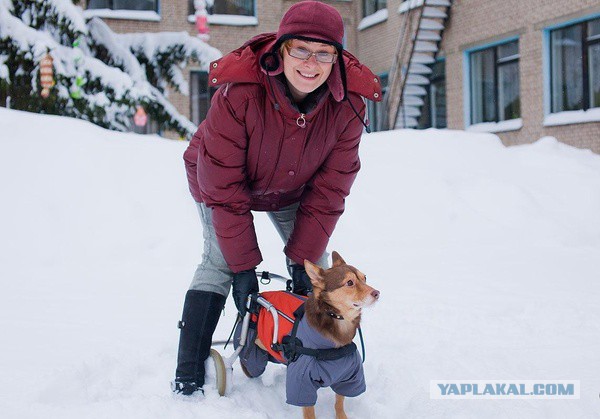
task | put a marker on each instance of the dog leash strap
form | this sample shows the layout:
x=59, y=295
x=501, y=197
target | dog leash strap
x=327, y=354
x=237, y=320
x=362, y=344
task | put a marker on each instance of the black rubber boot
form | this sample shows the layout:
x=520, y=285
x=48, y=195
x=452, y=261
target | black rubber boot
x=201, y=312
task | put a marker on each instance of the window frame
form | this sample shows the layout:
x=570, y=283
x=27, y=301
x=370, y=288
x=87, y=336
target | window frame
x=498, y=63
x=207, y=96
x=225, y=19
x=376, y=7
x=562, y=117
x=430, y=101
x=585, y=70
x=155, y=10
x=497, y=126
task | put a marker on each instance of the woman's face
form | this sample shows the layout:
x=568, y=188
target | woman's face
x=305, y=76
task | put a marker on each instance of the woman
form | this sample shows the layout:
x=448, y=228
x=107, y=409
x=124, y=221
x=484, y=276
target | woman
x=281, y=136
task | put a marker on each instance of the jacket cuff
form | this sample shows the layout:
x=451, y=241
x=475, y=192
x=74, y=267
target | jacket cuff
x=245, y=266
x=293, y=256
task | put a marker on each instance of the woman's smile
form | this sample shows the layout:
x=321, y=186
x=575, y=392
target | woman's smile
x=305, y=76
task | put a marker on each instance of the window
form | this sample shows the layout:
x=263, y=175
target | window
x=200, y=95
x=151, y=5
x=575, y=66
x=227, y=7
x=376, y=109
x=433, y=113
x=495, y=83
x=372, y=6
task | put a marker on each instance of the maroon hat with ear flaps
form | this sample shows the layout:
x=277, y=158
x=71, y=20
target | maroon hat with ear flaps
x=315, y=21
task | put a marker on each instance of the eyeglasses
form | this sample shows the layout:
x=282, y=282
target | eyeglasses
x=304, y=54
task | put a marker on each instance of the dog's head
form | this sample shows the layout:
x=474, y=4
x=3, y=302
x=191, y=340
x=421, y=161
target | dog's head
x=342, y=286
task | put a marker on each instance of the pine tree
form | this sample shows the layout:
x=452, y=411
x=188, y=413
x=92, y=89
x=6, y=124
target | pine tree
x=100, y=76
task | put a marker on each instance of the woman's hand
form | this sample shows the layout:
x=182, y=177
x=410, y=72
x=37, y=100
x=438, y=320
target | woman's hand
x=301, y=284
x=244, y=284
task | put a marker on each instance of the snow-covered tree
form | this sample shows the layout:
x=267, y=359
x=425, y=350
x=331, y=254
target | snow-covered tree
x=100, y=76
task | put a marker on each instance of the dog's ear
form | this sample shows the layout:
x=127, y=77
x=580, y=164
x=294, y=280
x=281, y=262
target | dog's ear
x=315, y=273
x=337, y=259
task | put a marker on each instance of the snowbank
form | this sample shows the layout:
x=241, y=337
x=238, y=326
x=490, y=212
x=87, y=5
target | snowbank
x=487, y=259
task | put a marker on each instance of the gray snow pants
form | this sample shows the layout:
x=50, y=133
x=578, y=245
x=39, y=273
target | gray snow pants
x=213, y=274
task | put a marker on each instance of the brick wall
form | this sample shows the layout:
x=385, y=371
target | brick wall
x=470, y=26
x=377, y=43
x=478, y=22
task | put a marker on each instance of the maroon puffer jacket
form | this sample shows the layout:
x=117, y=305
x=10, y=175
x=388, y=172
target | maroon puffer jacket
x=252, y=154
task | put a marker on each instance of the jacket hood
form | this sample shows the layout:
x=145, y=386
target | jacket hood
x=256, y=59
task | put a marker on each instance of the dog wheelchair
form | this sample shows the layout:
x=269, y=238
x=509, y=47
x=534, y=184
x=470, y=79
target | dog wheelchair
x=267, y=333
x=245, y=333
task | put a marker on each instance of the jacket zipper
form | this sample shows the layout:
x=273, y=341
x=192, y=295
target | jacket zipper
x=301, y=121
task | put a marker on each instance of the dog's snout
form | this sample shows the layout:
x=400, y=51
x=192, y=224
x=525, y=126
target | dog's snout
x=375, y=294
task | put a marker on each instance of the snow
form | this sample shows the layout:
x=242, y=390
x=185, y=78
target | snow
x=4, y=73
x=14, y=29
x=232, y=20
x=7, y=4
x=373, y=19
x=502, y=126
x=64, y=63
x=151, y=43
x=170, y=108
x=487, y=260
x=405, y=6
x=102, y=34
x=127, y=86
x=67, y=9
x=572, y=117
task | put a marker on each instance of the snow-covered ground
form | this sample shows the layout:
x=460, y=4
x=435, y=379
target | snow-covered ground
x=487, y=259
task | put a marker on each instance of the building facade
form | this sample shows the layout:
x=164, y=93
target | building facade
x=523, y=70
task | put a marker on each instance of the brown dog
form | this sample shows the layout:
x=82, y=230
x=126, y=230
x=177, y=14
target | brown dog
x=333, y=311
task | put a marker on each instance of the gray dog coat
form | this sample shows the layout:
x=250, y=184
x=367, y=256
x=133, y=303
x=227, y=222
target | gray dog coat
x=306, y=375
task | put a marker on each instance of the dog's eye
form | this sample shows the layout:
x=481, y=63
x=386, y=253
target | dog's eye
x=350, y=283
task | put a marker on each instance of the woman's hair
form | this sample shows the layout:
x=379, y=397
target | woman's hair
x=284, y=45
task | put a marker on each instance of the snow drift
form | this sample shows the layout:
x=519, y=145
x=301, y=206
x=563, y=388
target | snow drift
x=487, y=260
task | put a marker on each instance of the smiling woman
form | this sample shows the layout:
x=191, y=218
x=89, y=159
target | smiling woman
x=306, y=66
x=281, y=136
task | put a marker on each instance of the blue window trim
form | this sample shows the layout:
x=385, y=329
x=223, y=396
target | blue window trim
x=572, y=22
x=467, y=74
x=547, y=77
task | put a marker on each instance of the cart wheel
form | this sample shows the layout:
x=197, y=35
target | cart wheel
x=221, y=373
x=245, y=370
